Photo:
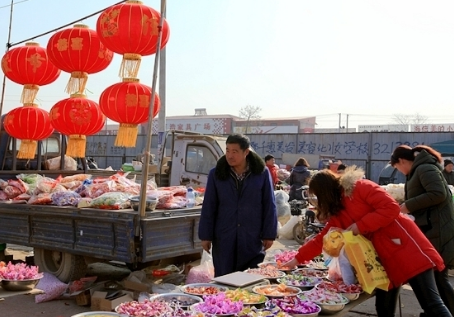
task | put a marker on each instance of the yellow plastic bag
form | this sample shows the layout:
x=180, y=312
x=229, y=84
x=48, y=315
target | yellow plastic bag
x=363, y=257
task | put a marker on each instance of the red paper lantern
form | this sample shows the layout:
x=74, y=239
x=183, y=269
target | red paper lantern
x=80, y=52
x=29, y=124
x=131, y=29
x=128, y=103
x=30, y=66
x=77, y=117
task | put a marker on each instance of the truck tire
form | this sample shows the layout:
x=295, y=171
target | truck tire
x=65, y=266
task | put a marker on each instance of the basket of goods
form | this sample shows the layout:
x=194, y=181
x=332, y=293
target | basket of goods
x=277, y=265
x=245, y=296
x=201, y=289
x=276, y=290
x=299, y=280
x=252, y=311
x=219, y=305
x=330, y=302
x=143, y=308
x=351, y=292
x=184, y=301
x=18, y=277
x=295, y=306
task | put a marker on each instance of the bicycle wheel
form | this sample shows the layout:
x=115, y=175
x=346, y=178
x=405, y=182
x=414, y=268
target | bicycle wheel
x=299, y=233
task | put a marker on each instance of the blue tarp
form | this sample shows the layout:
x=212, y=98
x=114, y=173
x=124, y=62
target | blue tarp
x=446, y=148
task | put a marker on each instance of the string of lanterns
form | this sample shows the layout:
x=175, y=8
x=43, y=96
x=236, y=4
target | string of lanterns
x=130, y=29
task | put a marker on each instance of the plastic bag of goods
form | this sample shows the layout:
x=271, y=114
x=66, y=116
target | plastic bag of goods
x=111, y=201
x=286, y=231
x=202, y=273
x=397, y=191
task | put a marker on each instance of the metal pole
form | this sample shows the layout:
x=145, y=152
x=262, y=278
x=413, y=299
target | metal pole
x=145, y=165
x=8, y=45
x=347, y=124
x=162, y=97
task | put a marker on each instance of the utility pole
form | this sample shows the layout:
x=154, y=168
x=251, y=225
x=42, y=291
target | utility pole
x=340, y=119
x=162, y=95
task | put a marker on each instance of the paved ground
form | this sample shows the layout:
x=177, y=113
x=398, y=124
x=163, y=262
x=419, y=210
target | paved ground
x=24, y=305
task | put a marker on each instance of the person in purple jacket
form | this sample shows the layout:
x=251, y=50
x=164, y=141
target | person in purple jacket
x=238, y=222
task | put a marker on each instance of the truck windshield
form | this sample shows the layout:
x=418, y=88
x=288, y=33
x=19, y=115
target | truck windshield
x=49, y=145
x=199, y=159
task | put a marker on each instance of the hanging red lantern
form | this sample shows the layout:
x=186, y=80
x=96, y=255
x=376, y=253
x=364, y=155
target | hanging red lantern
x=131, y=29
x=30, y=66
x=77, y=117
x=78, y=51
x=128, y=103
x=29, y=124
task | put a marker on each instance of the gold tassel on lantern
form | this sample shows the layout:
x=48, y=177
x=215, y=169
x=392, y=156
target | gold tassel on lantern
x=127, y=135
x=27, y=149
x=130, y=65
x=77, y=82
x=76, y=145
x=29, y=93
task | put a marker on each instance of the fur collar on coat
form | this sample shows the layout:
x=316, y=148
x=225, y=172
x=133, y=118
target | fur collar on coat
x=349, y=178
x=256, y=165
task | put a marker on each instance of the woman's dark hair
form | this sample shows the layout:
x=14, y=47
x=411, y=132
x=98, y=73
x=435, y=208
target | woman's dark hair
x=242, y=140
x=302, y=162
x=326, y=186
x=408, y=153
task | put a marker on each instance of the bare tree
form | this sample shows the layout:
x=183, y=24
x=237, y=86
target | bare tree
x=409, y=118
x=249, y=113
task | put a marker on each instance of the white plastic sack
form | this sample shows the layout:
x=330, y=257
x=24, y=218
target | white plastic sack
x=286, y=231
x=281, y=196
x=282, y=205
x=202, y=273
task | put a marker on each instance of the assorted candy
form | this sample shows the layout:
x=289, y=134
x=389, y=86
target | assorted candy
x=145, y=308
x=218, y=304
x=18, y=272
x=245, y=296
x=340, y=287
x=285, y=256
x=294, y=305
x=299, y=280
x=321, y=296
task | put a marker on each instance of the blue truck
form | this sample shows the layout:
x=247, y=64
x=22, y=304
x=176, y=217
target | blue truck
x=66, y=239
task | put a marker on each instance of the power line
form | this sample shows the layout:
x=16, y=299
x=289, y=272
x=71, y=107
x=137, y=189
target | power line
x=9, y=45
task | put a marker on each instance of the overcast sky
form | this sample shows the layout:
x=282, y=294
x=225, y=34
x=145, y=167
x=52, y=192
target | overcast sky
x=365, y=59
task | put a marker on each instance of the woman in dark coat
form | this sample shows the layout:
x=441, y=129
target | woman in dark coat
x=353, y=203
x=299, y=176
x=238, y=219
x=429, y=200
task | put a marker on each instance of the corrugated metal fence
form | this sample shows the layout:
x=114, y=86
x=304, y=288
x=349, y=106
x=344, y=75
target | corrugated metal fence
x=369, y=150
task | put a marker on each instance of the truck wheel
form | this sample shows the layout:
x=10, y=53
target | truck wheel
x=65, y=266
x=299, y=233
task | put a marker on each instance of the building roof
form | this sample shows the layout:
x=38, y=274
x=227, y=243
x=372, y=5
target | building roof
x=237, y=118
x=217, y=116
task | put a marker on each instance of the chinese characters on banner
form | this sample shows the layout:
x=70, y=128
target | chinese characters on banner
x=438, y=127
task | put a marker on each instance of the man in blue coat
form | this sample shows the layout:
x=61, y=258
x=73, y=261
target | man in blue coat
x=238, y=219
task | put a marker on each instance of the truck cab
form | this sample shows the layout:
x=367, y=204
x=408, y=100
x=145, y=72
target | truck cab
x=193, y=156
x=390, y=175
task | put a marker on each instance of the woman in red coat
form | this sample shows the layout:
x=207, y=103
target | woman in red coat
x=350, y=202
